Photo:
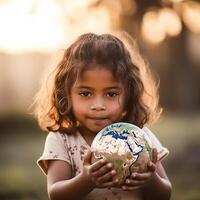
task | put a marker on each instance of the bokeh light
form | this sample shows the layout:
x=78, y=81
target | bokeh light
x=171, y=21
x=191, y=15
x=129, y=7
x=158, y=24
x=152, y=30
x=47, y=25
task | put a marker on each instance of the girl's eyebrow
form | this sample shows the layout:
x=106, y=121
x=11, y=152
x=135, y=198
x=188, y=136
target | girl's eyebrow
x=113, y=87
x=91, y=88
x=84, y=87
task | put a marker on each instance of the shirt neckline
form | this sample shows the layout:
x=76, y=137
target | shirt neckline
x=82, y=138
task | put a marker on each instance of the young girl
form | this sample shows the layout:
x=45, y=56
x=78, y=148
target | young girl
x=100, y=80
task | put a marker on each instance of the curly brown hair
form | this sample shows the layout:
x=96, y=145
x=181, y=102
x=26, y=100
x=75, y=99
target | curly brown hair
x=53, y=103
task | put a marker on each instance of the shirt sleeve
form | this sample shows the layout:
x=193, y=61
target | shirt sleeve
x=162, y=151
x=54, y=149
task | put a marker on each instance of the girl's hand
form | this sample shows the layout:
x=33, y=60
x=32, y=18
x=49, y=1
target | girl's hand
x=137, y=180
x=100, y=173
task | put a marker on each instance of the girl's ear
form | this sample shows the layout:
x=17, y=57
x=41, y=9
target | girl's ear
x=124, y=114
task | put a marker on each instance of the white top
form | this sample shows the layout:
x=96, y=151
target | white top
x=71, y=148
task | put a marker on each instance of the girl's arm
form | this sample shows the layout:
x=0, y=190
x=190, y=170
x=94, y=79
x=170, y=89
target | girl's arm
x=159, y=186
x=61, y=185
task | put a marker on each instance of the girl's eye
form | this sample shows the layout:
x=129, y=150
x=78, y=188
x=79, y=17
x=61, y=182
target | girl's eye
x=85, y=94
x=112, y=94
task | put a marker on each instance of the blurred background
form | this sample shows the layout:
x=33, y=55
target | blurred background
x=33, y=32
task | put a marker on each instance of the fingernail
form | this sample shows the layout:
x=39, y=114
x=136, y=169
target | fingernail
x=150, y=164
x=116, y=181
x=109, y=165
x=113, y=172
x=103, y=161
x=124, y=187
x=128, y=181
x=133, y=175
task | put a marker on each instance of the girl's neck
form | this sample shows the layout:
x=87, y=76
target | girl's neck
x=87, y=135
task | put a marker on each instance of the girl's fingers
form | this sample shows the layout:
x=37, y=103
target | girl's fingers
x=151, y=166
x=103, y=170
x=137, y=180
x=131, y=182
x=128, y=188
x=107, y=177
x=140, y=176
x=154, y=155
x=97, y=165
x=107, y=184
x=87, y=158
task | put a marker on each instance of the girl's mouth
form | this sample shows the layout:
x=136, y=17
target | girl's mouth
x=98, y=118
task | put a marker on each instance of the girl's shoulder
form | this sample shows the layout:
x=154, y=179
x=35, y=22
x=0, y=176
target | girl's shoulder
x=66, y=147
x=64, y=138
x=149, y=133
x=155, y=142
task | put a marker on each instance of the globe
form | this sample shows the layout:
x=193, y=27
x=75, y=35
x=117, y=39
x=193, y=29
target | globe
x=126, y=146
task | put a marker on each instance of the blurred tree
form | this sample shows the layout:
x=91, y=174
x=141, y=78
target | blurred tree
x=184, y=89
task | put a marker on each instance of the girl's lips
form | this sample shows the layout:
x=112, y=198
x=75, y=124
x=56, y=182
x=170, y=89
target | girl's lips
x=98, y=118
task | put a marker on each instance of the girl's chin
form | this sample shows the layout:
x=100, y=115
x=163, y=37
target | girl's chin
x=94, y=129
x=98, y=126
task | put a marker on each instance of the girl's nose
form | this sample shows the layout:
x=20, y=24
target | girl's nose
x=98, y=105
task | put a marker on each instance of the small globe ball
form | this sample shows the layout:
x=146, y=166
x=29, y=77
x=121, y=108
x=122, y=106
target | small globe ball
x=126, y=146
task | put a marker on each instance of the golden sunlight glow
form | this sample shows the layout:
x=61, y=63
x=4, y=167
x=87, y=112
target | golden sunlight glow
x=23, y=27
x=76, y=5
x=47, y=25
x=173, y=1
x=158, y=24
x=152, y=30
x=191, y=16
x=96, y=21
x=171, y=21
x=129, y=7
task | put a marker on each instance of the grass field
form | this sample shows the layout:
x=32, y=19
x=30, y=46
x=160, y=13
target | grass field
x=22, y=142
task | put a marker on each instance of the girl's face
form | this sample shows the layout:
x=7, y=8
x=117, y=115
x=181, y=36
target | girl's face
x=97, y=99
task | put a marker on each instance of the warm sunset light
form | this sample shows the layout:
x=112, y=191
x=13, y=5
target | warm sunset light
x=152, y=30
x=191, y=15
x=28, y=25
x=158, y=24
x=129, y=7
x=172, y=1
x=47, y=25
x=150, y=77
x=170, y=20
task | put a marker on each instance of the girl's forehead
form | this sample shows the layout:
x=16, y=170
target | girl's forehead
x=99, y=75
x=97, y=72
